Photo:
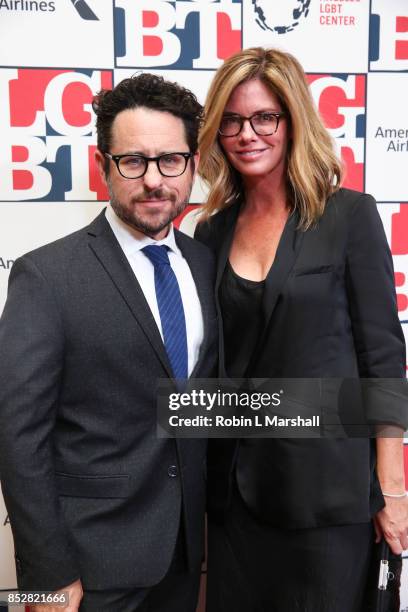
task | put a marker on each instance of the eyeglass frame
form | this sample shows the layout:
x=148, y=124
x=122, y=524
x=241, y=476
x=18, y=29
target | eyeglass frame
x=116, y=159
x=242, y=120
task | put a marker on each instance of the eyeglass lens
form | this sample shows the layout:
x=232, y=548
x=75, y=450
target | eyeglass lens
x=263, y=124
x=134, y=166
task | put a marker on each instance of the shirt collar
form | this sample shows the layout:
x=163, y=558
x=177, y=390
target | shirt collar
x=132, y=240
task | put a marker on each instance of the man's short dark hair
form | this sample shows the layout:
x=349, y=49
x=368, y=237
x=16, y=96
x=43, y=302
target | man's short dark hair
x=150, y=91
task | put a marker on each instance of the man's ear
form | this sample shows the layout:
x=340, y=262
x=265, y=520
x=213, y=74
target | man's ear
x=100, y=161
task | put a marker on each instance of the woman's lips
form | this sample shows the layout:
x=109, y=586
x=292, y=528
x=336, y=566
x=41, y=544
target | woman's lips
x=250, y=154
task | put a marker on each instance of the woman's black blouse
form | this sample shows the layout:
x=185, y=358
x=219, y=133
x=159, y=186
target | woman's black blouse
x=240, y=301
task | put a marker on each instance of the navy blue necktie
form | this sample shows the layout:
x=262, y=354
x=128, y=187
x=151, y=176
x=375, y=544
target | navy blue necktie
x=170, y=308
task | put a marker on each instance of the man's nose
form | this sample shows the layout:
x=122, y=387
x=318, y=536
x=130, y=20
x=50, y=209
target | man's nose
x=152, y=177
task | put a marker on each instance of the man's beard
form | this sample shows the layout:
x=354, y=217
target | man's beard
x=156, y=223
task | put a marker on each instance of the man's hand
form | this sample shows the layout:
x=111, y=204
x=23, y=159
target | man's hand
x=74, y=593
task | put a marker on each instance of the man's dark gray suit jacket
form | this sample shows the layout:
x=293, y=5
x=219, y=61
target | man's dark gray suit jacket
x=91, y=492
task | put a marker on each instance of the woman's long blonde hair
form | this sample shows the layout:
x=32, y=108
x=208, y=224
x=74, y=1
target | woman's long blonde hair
x=313, y=170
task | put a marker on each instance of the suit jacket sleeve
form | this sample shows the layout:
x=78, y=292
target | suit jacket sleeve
x=31, y=357
x=377, y=332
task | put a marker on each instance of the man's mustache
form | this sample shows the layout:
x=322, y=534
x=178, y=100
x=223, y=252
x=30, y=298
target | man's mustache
x=155, y=194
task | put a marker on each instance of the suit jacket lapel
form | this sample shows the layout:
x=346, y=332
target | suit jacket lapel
x=226, y=235
x=103, y=243
x=230, y=220
x=286, y=254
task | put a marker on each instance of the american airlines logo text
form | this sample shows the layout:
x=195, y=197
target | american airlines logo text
x=395, y=140
x=82, y=7
x=27, y=5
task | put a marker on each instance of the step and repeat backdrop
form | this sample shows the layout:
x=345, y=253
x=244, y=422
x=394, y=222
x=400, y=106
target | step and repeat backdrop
x=55, y=55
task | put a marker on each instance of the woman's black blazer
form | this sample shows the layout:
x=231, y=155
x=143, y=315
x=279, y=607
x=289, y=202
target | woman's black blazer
x=329, y=312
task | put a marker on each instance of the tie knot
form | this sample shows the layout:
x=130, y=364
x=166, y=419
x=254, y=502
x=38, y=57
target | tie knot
x=157, y=254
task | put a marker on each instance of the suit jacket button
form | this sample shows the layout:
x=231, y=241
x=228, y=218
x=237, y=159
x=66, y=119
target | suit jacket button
x=172, y=471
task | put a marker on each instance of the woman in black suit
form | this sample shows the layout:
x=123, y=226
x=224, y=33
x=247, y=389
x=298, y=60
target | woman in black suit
x=304, y=290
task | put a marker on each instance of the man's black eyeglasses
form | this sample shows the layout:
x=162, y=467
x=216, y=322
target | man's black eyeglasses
x=135, y=166
x=263, y=124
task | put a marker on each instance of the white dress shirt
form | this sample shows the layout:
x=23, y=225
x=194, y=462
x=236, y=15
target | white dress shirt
x=132, y=243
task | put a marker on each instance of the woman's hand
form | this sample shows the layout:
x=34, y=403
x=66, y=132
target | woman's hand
x=392, y=523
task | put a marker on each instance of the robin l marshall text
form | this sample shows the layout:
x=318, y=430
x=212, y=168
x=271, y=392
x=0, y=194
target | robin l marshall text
x=240, y=421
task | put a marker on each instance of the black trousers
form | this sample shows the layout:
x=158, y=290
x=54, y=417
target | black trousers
x=177, y=592
x=254, y=567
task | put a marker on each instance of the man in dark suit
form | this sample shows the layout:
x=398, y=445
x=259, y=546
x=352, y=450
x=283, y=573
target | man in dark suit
x=99, y=506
